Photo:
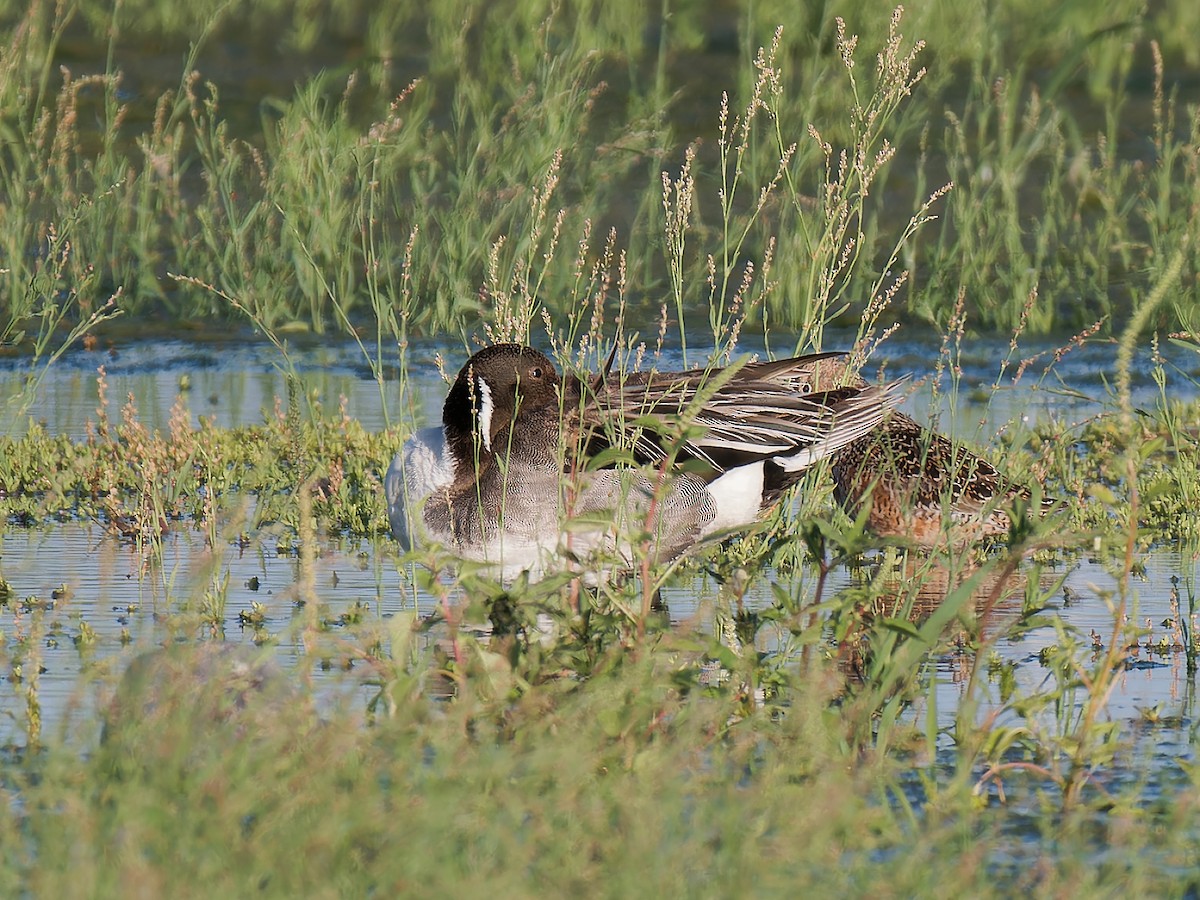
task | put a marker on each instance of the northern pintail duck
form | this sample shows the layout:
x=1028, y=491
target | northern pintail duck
x=659, y=460
x=921, y=487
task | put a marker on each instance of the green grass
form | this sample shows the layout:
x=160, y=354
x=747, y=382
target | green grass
x=637, y=781
x=603, y=753
x=442, y=160
x=571, y=166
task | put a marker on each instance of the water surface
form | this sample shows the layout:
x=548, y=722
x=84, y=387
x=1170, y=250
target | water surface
x=128, y=599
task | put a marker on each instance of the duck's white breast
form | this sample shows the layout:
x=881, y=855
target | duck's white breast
x=422, y=466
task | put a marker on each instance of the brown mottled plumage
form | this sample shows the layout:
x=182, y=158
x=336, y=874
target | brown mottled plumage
x=920, y=487
x=913, y=479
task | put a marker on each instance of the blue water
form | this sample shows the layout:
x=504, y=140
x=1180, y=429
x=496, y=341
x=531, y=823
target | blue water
x=240, y=383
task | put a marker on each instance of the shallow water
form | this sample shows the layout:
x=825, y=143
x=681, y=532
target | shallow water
x=78, y=575
x=75, y=575
x=128, y=598
x=240, y=383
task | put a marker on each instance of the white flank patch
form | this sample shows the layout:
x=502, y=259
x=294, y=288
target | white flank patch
x=511, y=555
x=486, y=408
x=738, y=497
x=422, y=466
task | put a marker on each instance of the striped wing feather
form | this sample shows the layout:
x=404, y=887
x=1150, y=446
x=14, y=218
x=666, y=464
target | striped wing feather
x=741, y=414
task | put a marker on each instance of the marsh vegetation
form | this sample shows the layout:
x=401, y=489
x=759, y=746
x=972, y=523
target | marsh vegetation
x=818, y=709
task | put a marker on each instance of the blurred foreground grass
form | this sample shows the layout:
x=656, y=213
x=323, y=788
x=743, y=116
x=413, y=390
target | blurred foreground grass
x=629, y=784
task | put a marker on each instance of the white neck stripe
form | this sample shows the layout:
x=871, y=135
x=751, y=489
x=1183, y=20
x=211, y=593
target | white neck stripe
x=486, y=408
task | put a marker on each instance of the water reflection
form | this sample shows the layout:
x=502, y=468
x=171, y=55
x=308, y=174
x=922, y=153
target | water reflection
x=1153, y=684
x=85, y=602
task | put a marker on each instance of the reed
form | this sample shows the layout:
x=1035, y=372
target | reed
x=307, y=213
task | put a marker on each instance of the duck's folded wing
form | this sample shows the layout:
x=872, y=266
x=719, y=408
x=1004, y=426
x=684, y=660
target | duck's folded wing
x=729, y=417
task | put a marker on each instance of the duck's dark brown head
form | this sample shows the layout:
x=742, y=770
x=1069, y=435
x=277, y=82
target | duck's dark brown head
x=489, y=393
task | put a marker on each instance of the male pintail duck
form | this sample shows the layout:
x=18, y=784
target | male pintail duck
x=520, y=452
